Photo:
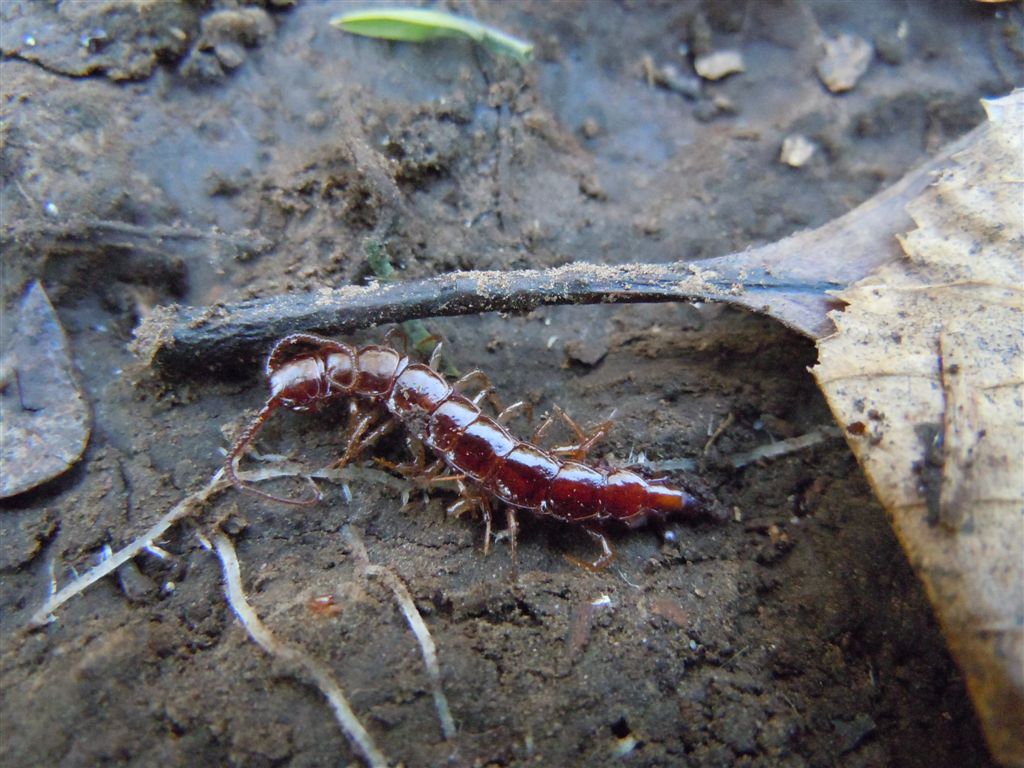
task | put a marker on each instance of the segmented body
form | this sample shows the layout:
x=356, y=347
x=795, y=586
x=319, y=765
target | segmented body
x=307, y=371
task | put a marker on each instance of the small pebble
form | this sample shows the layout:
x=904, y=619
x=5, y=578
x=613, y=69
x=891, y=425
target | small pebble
x=316, y=119
x=796, y=150
x=715, y=66
x=892, y=46
x=591, y=187
x=846, y=59
x=230, y=54
x=590, y=128
x=588, y=350
x=671, y=78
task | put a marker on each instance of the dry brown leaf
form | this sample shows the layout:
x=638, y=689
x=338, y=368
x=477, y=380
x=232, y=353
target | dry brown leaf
x=45, y=424
x=926, y=373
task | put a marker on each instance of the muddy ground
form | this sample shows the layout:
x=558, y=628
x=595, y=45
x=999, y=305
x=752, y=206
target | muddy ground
x=275, y=147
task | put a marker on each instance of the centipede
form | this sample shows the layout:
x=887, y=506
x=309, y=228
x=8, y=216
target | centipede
x=492, y=468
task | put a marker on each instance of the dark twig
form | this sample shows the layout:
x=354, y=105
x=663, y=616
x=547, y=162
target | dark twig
x=208, y=337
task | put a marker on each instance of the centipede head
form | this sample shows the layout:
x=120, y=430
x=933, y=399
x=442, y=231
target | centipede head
x=297, y=377
x=304, y=370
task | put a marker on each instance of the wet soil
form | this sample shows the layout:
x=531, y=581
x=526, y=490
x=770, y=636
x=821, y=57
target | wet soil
x=276, y=146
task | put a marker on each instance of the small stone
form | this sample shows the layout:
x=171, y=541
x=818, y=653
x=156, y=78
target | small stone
x=588, y=350
x=846, y=59
x=317, y=119
x=705, y=111
x=715, y=66
x=647, y=224
x=22, y=535
x=591, y=187
x=850, y=735
x=724, y=104
x=46, y=418
x=796, y=150
x=671, y=78
x=136, y=585
x=590, y=128
x=234, y=524
x=230, y=54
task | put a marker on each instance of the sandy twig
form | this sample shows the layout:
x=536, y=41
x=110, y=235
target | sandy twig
x=185, y=341
x=319, y=674
x=416, y=624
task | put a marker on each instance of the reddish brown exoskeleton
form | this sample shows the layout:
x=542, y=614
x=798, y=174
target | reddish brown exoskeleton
x=306, y=371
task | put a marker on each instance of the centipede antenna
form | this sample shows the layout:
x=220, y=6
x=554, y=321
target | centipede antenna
x=240, y=445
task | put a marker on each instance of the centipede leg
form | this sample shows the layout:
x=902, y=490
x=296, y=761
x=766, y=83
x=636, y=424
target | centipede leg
x=486, y=392
x=485, y=511
x=356, y=442
x=513, y=410
x=603, y=561
x=418, y=470
x=384, y=429
x=542, y=429
x=512, y=526
x=435, y=358
x=585, y=443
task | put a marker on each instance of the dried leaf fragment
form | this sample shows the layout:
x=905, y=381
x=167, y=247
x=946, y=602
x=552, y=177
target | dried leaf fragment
x=45, y=424
x=930, y=354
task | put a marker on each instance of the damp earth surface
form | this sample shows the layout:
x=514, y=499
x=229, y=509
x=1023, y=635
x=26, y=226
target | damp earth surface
x=189, y=153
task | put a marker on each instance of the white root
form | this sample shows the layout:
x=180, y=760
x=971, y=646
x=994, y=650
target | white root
x=187, y=506
x=316, y=671
x=782, y=447
x=769, y=451
x=416, y=624
x=110, y=564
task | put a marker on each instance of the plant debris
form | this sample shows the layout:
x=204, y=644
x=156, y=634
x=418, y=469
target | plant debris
x=419, y=25
x=312, y=668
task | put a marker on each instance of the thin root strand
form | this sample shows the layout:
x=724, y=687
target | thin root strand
x=316, y=671
x=416, y=624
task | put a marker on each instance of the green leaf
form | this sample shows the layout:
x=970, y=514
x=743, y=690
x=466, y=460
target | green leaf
x=417, y=25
